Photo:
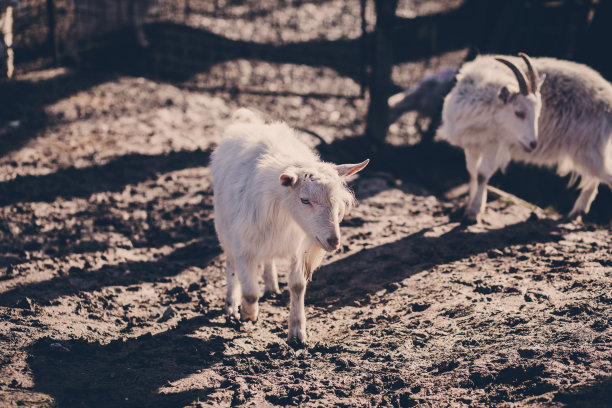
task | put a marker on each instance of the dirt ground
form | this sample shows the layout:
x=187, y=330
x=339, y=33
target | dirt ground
x=112, y=282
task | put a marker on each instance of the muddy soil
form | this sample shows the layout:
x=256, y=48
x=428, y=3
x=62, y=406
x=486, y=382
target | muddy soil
x=112, y=281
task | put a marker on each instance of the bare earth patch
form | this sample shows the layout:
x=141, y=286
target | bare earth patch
x=112, y=282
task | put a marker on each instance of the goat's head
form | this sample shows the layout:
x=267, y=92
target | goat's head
x=317, y=198
x=520, y=111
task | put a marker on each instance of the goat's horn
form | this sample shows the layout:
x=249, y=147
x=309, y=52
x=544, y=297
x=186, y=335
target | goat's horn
x=518, y=74
x=532, y=74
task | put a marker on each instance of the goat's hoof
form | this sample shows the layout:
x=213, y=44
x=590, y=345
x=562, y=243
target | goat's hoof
x=244, y=318
x=469, y=220
x=271, y=294
x=575, y=216
x=297, y=342
x=297, y=335
x=231, y=311
x=249, y=311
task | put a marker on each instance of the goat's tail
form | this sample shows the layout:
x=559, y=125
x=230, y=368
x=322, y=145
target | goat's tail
x=244, y=115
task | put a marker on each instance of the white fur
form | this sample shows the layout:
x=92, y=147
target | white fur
x=570, y=119
x=261, y=173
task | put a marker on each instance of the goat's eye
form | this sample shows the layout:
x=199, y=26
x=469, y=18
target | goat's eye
x=520, y=115
x=305, y=201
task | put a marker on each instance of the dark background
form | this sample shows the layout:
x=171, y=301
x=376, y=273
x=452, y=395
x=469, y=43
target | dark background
x=181, y=45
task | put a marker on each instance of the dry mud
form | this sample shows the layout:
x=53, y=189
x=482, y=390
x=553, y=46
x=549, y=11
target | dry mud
x=112, y=281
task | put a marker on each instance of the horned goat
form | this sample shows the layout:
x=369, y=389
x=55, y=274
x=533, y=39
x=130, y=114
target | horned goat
x=274, y=198
x=559, y=114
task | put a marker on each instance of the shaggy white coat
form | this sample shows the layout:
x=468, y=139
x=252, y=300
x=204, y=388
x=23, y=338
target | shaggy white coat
x=570, y=119
x=274, y=198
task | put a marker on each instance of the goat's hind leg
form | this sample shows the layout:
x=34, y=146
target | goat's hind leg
x=234, y=292
x=247, y=272
x=487, y=166
x=471, y=163
x=270, y=279
x=297, y=315
x=607, y=177
x=585, y=199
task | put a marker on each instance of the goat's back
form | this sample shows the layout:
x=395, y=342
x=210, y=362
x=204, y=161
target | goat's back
x=576, y=118
x=246, y=169
x=576, y=102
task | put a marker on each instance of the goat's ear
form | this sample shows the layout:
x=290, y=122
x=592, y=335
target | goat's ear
x=504, y=94
x=288, y=179
x=541, y=78
x=348, y=169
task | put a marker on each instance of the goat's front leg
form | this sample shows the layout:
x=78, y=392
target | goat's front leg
x=472, y=160
x=270, y=279
x=487, y=166
x=247, y=272
x=233, y=288
x=585, y=199
x=297, y=316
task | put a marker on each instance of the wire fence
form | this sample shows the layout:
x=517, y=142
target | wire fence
x=181, y=36
x=54, y=29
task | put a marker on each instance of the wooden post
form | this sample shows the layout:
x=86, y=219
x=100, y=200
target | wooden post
x=186, y=12
x=51, y=35
x=380, y=79
x=364, y=50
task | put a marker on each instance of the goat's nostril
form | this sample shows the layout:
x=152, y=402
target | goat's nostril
x=332, y=241
x=533, y=145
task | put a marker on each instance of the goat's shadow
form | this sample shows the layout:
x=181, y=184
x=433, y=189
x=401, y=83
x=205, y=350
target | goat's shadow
x=368, y=271
x=596, y=394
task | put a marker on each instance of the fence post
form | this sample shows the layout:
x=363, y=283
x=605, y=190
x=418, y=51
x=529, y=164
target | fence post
x=380, y=79
x=365, y=57
x=51, y=35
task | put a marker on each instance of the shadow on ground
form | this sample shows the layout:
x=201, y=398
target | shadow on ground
x=373, y=269
x=27, y=104
x=79, y=280
x=112, y=176
x=595, y=395
x=124, y=373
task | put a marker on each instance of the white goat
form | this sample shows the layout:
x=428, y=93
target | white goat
x=561, y=116
x=274, y=198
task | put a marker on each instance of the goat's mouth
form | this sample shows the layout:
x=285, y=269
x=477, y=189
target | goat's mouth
x=527, y=147
x=328, y=248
